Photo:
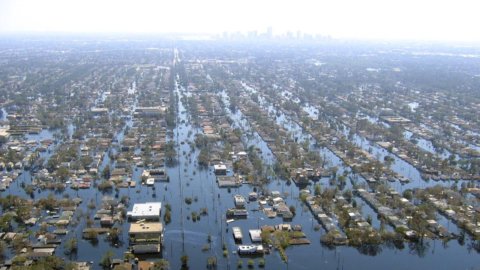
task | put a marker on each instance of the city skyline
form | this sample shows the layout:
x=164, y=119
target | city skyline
x=372, y=19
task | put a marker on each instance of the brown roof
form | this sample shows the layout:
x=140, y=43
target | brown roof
x=144, y=265
x=151, y=227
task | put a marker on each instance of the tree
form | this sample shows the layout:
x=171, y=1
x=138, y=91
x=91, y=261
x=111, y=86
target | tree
x=167, y=217
x=266, y=236
x=3, y=140
x=106, y=260
x=348, y=195
x=63, y=173
x=408, y=194
x=203, y=157
x=161, y=264
x=114, y=235
x=418, y=223
x=92, y=235
x=5, y=222
x=124, y=199
x=184, y=260
x=23, y=213
x=86, y=161
x=292, y=209
x=334, y=171
x=369, y=219
x=3, y=246
x=48, y=263
x=106, y=172
x=49, y=203
x=261, y=263
x=318, y=190
x=211, y=262
x=71, y=246
x=19, y=243
x=170, y=152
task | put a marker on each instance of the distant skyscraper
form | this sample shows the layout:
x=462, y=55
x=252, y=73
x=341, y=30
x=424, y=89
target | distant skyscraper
x=252, y=34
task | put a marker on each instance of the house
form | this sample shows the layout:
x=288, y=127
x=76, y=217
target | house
x=99, y=111
x=142, y=232
x=242, y=155
x=145, y=265
x=147, y=211
x=149, y=111
x=237, y=234
x=239, y=201
x=250, y=249
x=255, y=235
x=228, y=181
x=106, y=220
x=275, y=194
x=4, y=134
x=146, y=248
x=81, y=265
x=146, y=237
x=35, y=256
x=150, y=181
x=159, y=174
x=220, y=169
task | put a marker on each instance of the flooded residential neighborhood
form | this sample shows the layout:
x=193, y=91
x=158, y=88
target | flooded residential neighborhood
x=168, y=153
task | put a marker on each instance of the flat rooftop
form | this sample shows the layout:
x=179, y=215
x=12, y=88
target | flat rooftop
x=255, y=235
x=99, y=110
x=220, y=167
x=153, y=227
x=3, y=132
x=145, y=210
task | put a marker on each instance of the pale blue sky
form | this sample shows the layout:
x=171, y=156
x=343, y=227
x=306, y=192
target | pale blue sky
x=456, y=20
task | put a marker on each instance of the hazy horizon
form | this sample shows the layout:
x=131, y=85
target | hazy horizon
x=347, y=19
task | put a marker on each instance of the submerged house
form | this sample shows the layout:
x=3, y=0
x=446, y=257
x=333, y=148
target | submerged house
x=220, y=169
x=145, y=211
x=145, y=237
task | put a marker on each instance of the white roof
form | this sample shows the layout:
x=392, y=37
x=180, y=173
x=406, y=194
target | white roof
x=150, y=181
x=220, y=167
x=255, y=235
x=99, y=110
x=145, y=210
x=276, y=193
x=277, y=200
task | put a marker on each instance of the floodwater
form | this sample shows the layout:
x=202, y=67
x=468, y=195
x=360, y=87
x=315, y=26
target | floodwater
x=428, y=254
x=184, y=236
x=427, y=145
x=3, y=114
